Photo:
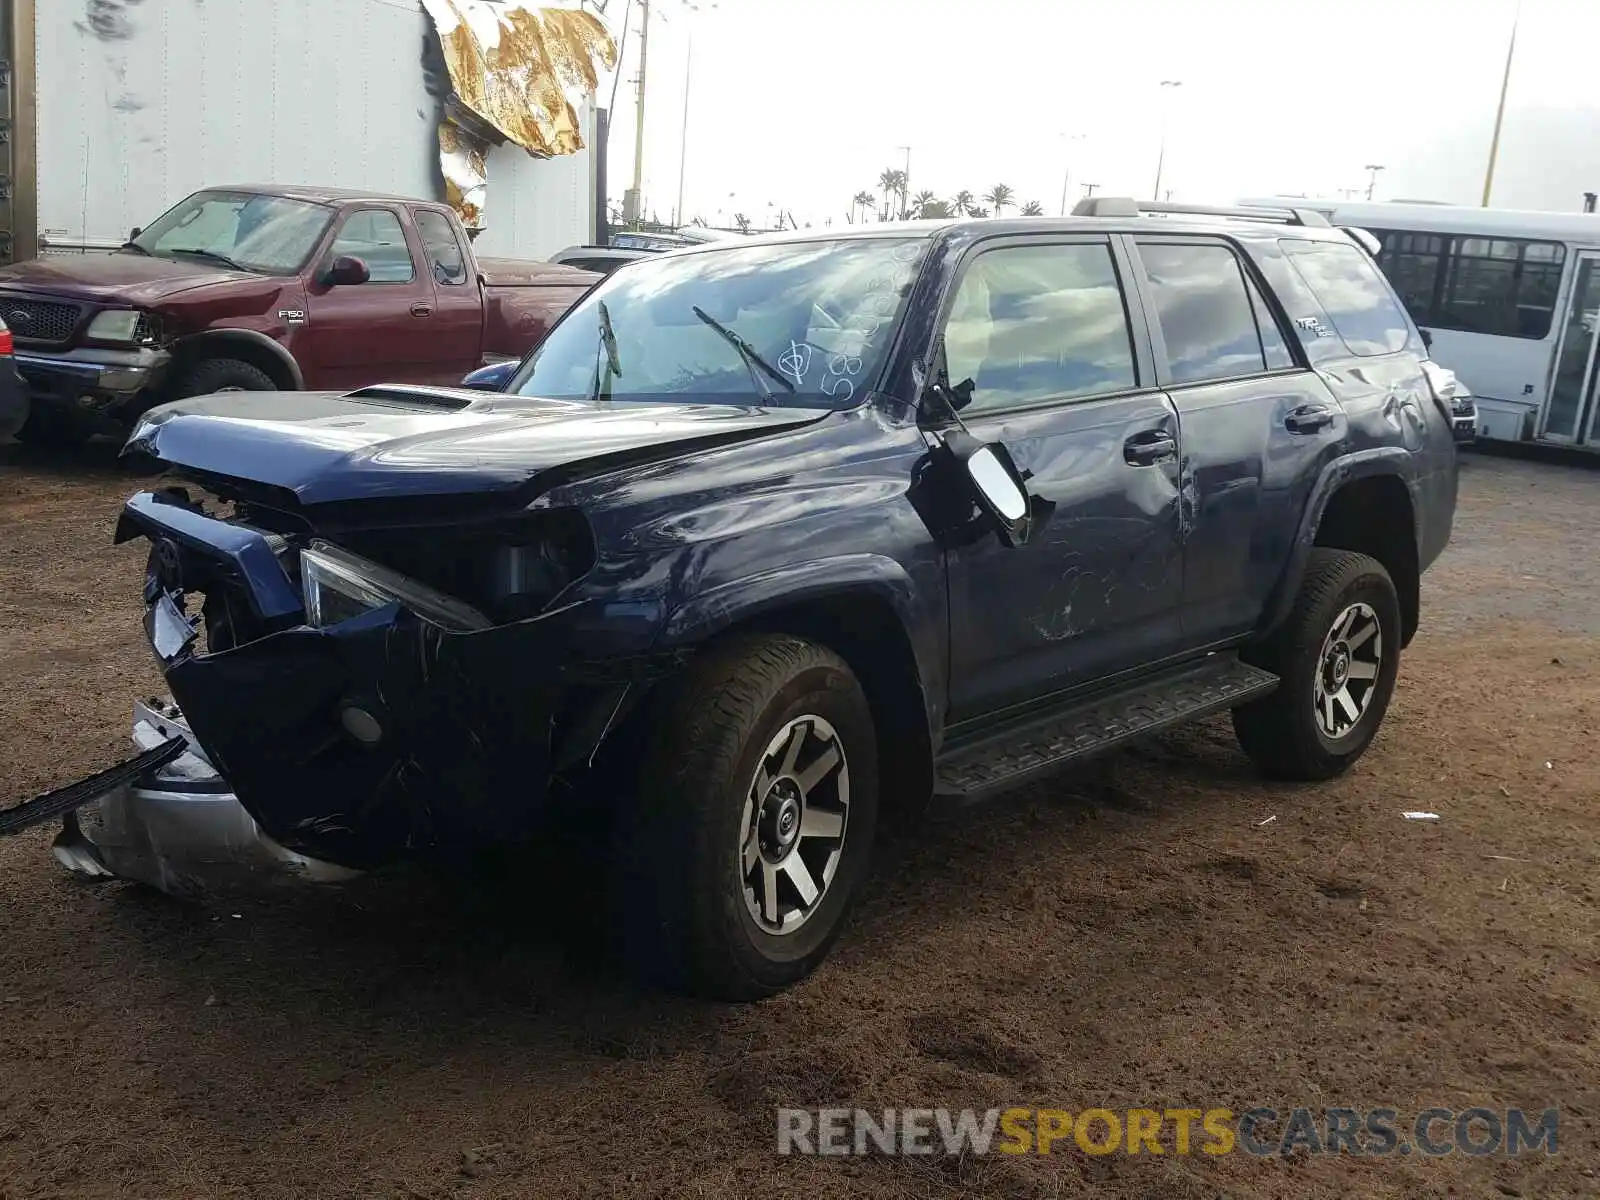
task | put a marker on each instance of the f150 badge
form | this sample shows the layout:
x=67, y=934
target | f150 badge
x=292, y=316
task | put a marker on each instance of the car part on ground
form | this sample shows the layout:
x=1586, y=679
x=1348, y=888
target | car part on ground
x=941, y=558
x=175, y=825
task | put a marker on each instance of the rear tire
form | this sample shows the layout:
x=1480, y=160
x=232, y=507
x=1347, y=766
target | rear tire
x=210, y=375
x=1338, y=655
x=749, y=831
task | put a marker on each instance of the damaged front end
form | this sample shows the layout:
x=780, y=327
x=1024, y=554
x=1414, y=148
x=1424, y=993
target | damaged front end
x=366, y=694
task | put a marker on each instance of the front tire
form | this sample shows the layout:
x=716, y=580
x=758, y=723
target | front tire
x=210, y=375
x=1337, y=655
x=749, y=832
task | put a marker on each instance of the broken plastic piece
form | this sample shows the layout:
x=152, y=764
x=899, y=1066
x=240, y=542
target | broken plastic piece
x=1420, y=816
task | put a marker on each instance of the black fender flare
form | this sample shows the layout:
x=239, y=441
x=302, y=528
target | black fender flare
x=1363, y=464
x=822, y=579
x=213, y=343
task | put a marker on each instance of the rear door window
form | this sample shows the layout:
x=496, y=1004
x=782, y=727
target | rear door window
x=1204, y=309
x=1360, y=306
x=445, y=256
x=1274, y=347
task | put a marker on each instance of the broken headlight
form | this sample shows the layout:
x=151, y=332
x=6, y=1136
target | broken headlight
x=338, y=585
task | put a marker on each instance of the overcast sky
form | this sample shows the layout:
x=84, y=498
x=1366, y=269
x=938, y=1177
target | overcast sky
x=802, y=103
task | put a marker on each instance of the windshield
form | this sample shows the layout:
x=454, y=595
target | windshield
x=805, y=324
x=271, y=234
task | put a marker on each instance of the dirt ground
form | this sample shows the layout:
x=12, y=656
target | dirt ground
x=1139, y=935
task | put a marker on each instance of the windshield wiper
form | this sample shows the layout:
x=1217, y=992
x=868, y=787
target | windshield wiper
x=752, y=359
x=606, y=345
x=211, y=254
x=134, y=246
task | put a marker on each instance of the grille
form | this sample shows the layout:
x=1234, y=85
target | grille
x=39, y=320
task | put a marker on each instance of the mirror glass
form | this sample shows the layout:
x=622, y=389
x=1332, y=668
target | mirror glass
x=997, y=486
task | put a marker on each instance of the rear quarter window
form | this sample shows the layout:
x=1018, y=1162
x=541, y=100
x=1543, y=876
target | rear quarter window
x=1358, y=301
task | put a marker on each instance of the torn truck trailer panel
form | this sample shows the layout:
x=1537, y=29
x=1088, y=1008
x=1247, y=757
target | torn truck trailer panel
x=518, y=74
x=94, y=100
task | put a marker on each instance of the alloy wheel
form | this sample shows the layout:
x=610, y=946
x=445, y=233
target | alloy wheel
x=796, y=813
x=1347, y=671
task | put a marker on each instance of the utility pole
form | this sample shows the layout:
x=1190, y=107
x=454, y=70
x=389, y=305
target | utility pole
x=1372, y=170
x=1500, y=109
x=905, y=182
x=1066, y=170
x=638, y=132
x=683, y=137
x=1088, y=189
x=1161, y=156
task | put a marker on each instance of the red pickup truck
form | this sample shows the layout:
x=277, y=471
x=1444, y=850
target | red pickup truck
x=260, y=288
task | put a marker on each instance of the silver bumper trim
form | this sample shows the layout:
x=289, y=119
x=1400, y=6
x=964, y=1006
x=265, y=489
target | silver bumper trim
x=182, y=830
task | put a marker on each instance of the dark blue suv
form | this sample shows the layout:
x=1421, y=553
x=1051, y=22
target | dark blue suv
x=769, y=532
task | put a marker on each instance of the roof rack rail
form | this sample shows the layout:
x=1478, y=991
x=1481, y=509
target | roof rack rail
x=1124, y=206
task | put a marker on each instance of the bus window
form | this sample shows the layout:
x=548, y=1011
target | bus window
x=1501, y=286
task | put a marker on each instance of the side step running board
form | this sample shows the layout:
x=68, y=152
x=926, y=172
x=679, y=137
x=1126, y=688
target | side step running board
x=1005, y=760
x=64, y=800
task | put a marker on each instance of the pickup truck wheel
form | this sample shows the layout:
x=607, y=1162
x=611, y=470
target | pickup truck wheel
x=210, y=375
x=751, y=825
x=1338, y=655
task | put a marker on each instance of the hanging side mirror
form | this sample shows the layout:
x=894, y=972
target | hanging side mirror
x=992, y=482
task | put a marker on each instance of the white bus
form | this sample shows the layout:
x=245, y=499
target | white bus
x=1510, y=300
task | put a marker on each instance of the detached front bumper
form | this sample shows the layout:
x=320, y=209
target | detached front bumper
x=180, y=828
x=91, y=381
x=379, y=738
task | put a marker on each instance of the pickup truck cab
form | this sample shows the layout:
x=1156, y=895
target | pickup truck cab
x=765, y=533
x=262, y=288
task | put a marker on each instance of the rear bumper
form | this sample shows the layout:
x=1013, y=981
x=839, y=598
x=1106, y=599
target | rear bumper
x=91, y=380
x=180, y=828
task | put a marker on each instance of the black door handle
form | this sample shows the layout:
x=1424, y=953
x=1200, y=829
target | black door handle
x=1151, y=446
x=1309, y=419
x=420, y=310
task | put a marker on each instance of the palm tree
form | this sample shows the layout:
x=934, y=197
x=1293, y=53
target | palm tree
x=859, y=203
x=963, y=202
x=921, y=200
x=897, y=187
x=742, y=221
x=999, y=196
x=1032, y=209
x=888, y=181
x=934, y=209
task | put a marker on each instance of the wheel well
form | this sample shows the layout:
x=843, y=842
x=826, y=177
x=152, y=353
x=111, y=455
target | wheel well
x=245, y=349
x=866, y=632
x=1374, y=516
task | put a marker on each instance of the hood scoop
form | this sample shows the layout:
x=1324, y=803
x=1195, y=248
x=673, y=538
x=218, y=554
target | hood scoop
x=414, y=396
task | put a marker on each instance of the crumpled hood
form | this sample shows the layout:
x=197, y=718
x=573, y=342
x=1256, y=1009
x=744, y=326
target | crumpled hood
x=134, y=279
x=400, y=442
